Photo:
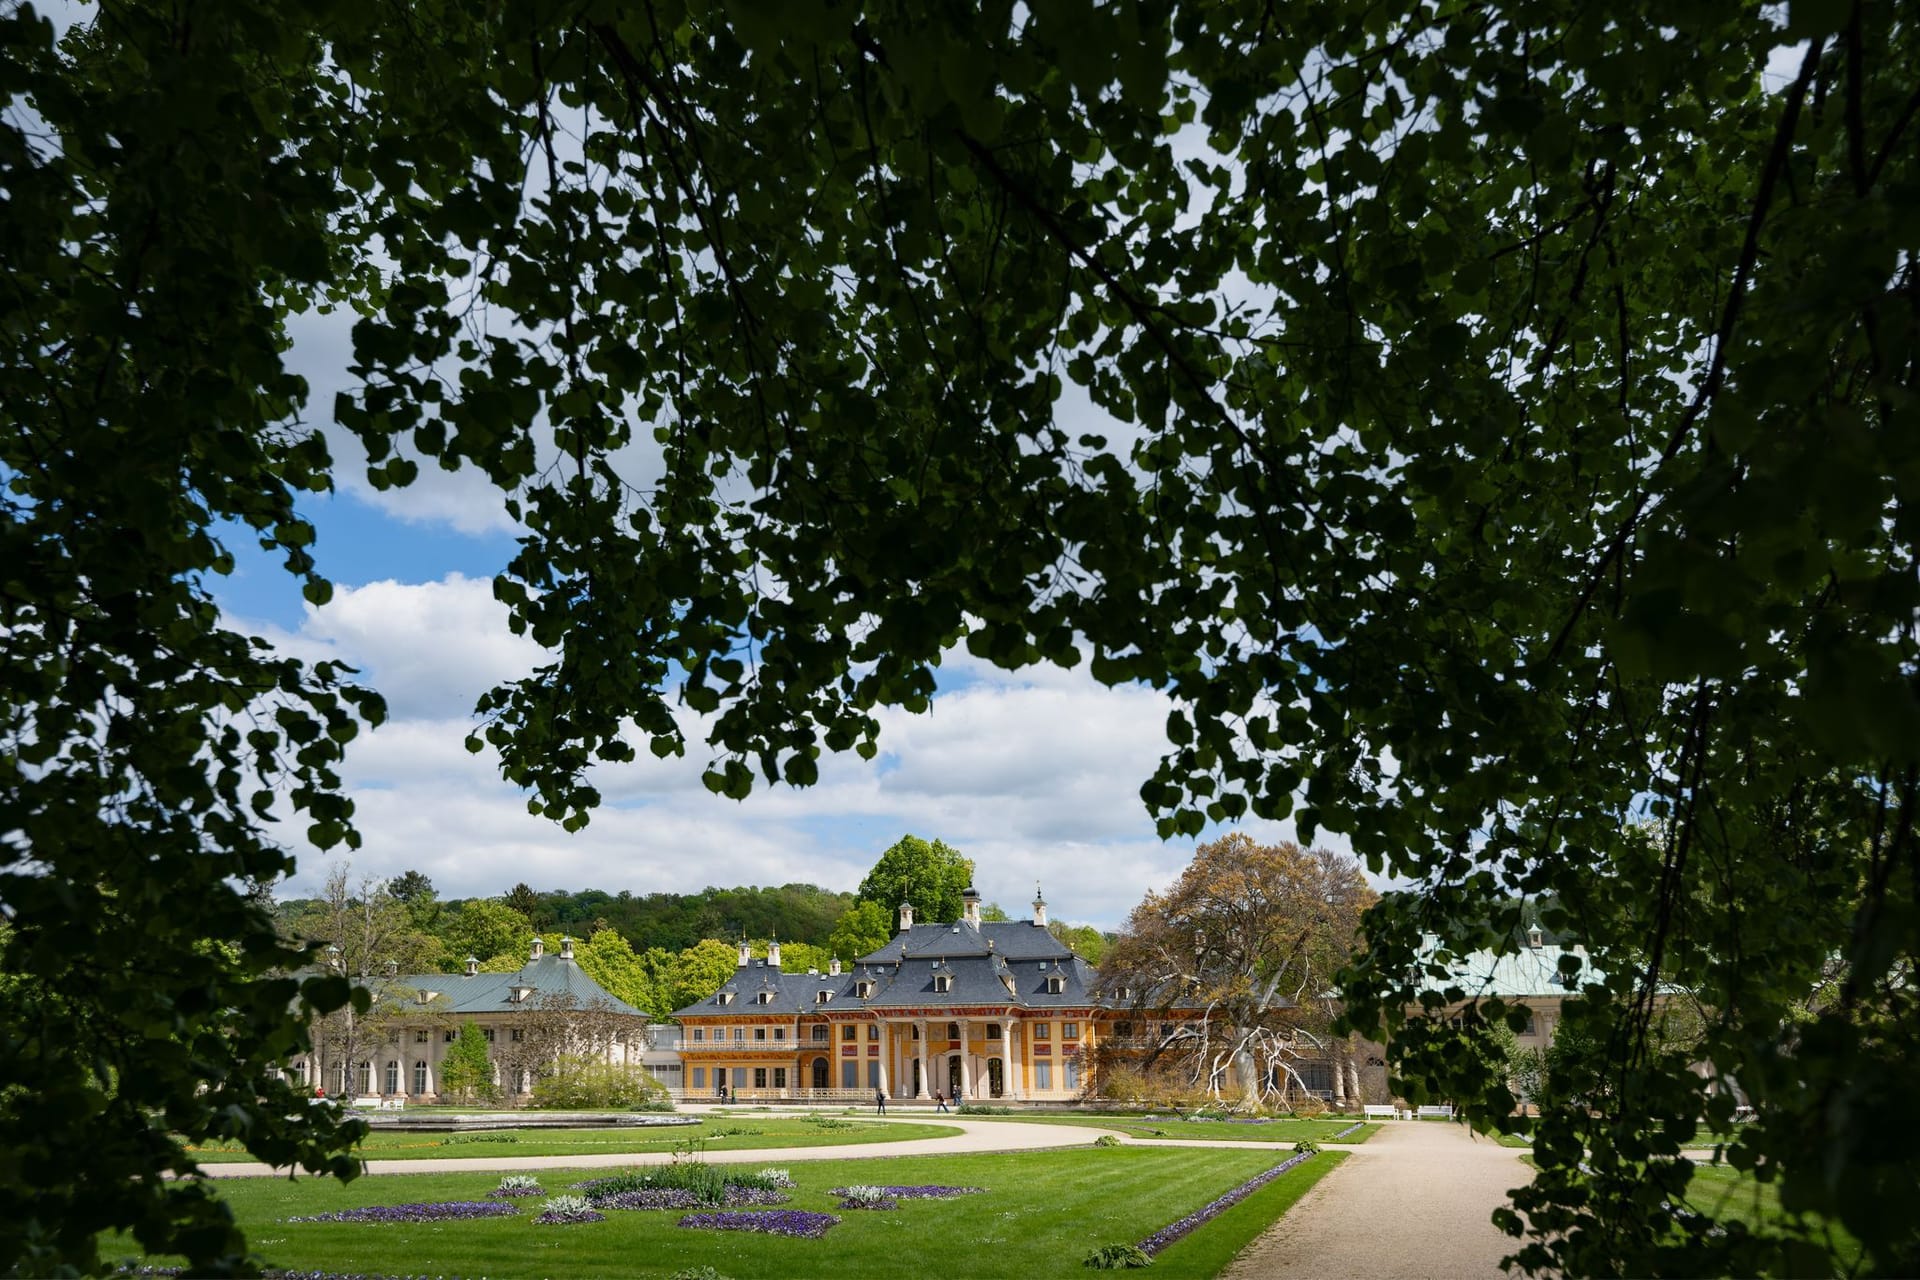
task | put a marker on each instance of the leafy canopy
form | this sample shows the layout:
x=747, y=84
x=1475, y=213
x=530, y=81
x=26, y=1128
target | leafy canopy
x=1506, y=439
x=931, y=875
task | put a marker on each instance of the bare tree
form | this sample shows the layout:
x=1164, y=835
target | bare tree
x=1231, y=970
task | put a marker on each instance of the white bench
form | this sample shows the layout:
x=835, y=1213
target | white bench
x=1382, y=1111
x=1442, y=1112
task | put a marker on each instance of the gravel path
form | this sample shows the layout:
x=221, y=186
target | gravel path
x=1411, y=1203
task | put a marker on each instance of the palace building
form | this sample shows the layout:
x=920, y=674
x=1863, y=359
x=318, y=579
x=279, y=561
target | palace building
x=974, y=1010
x=395, y=1051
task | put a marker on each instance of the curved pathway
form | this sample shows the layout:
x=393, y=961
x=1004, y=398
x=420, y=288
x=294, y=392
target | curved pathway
x=974, y=1136
x=1412, y=1201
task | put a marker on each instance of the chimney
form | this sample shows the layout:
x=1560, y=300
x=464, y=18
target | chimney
x=539, y=948
x=906, y=916
x=971, y=899
x=773, y=954
x=566, y=948
x=473, y=966
x=1039, y=908
x=833, y=969
x=746, y=954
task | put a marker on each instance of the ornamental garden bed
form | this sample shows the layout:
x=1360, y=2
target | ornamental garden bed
x=1023, y=1214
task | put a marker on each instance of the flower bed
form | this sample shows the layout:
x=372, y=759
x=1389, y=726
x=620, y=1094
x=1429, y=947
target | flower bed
x=1179, y=1230
x=776, y=1222
x=917, y=1193
x=441, y=1211
x=1357, y=1124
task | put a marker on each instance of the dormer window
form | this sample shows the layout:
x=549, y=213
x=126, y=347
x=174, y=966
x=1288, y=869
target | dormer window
x=863, y=989
x=942, y=982
x=821, y=997
x=765, y=997
x=726, y=997
x=1054, y=985
x=520, y=992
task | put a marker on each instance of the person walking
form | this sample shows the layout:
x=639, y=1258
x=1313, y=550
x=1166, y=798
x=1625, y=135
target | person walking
x=879, y=1101
x=939, y=1101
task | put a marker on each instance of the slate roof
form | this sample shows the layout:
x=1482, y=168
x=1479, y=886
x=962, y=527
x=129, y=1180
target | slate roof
x=981, y=959
x=456, y=993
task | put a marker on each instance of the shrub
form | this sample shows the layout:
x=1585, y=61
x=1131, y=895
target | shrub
x=662, y=1101
x=981, y=1109
x=466, y=1073
x=515, y=1185
x=1118, y=1257
x=1307, y=1147
x=1106, y=1140
x=582, y=1080
x=706, y=1185
x=565, y=1210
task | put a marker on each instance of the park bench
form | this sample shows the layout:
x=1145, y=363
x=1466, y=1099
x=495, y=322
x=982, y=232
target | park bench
x=1442, y=1112
x=1380, y=1111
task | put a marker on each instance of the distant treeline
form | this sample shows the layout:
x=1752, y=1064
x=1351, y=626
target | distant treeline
x=791, y=912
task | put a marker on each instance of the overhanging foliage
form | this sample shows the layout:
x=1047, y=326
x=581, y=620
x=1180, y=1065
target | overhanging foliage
x=1513, y=441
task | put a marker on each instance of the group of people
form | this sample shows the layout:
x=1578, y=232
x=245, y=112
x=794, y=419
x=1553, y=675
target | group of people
x=880, y=1101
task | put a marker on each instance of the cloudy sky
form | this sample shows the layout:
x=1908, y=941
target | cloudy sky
x=1034, y=775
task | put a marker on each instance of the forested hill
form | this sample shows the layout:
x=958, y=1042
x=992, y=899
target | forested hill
x=791, y=912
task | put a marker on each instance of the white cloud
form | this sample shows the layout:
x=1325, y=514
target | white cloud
x=1033, y=774
x=431, y=648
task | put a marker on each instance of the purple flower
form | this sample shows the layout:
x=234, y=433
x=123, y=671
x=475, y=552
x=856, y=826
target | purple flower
x=778, y=1222
x=1178, y=1230
x=1358, y=1124
x=737, y=1195
x=431, y=1211
x=921, y=1193
x=885, y=1202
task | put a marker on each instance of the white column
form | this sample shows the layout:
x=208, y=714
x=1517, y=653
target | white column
x=886, y=1048
x=926, y=1067
x=1353, y=1082
x=966, y=1051
x=1339, y=1081
x=1009, y=1062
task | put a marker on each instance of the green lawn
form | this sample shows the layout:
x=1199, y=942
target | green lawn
x=1733, y=1194
x=1040, y=1214
x=1217, y=1130
x=717, y=1133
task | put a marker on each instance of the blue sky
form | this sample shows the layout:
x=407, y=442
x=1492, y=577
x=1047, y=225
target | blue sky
x=1034, y=774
